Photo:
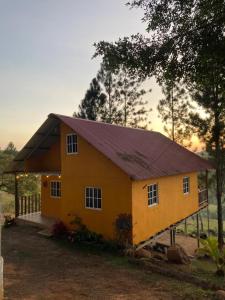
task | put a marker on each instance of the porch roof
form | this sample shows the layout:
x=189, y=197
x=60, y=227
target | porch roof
x=39, y=143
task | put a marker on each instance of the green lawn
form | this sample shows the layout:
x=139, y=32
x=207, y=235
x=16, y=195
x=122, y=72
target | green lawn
x=7, y=202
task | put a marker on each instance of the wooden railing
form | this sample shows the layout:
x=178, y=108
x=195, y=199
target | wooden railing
x=29, y=204
x=203, y=197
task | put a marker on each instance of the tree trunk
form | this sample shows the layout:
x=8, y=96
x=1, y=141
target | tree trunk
x=219, y=209
x=172, y=107
x=217, y=133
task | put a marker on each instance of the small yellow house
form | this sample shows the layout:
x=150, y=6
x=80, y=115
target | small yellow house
x=98, y=171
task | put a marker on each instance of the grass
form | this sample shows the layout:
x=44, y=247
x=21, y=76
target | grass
x=7, y=202
x=179, y=288
x=205, y=269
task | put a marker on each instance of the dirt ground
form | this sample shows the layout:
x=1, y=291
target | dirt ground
x=39, y=268
x=188, y=243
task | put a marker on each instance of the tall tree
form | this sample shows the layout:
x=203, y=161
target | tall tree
x=116, y=98
x=132, y=110
x=92, y=106
x=209, y=92
x=186, y=42
x=174, y=112
x=108, y=80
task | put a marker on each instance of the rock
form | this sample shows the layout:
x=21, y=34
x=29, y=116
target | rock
x=177, y=254
x=142, y=253
x=220, y=294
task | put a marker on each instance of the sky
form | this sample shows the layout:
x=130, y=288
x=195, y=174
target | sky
x=46, y=63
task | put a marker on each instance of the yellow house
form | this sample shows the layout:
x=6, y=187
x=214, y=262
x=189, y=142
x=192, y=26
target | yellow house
x=97, y=171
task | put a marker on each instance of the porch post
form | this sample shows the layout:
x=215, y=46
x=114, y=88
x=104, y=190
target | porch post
x=171, y=237
x=174, y=235
x=16, y=196
x=185, y=226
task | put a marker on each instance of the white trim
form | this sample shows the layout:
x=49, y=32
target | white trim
x=92, y=187
x=157, y=195
x=56, y=197
x=70, y=134
x=187, y=186
x=154, y=204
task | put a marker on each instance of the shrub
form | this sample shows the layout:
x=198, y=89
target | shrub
x=123, y=226
x=9, y=221
x=59, y=230
x=82, y=234
x=210, y=248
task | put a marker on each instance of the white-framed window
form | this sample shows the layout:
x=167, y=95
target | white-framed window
x=153, y=197
x=186, y=185
x=71, y=143
x=93, y=198
x=55, y=189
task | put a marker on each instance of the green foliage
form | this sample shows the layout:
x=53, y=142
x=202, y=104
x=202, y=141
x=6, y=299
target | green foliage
x=81, y=233
x=28, y=184
x=116, y=98
x=211, y=249
x=185, y=44
x=92, y=106
x=174, y=112
x=7, y=202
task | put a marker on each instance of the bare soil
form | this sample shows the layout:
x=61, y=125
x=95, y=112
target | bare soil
x=42, y=268
x=188, y=243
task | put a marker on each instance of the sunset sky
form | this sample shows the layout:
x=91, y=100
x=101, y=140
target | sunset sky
x=46, y=60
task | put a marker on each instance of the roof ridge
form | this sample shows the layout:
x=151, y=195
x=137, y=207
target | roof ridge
x=101, y=122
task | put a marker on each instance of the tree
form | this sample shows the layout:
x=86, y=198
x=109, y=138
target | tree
x=174, y=112
x=112, y=113
x=92, y=106
x=132, y=110
x=186, y=42
x=116, y=98
x=209, y=92
x=10, y=149
x=29, y=184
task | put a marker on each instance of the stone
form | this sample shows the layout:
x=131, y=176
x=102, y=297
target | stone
x=220, y=295
x=142, y=253
x=176, y=254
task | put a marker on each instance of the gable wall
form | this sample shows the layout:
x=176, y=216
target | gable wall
x=48, y=161
x=90, y=168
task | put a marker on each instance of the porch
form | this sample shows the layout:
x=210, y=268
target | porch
x=36, y=219
x=29, y=212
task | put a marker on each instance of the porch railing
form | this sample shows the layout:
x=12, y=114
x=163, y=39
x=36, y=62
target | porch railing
x=29, y=204
x=203, y=197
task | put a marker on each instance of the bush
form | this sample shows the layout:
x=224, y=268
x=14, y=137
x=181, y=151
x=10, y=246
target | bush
x=59, y=230
x=123, y=226
x=9, y=221
x=210, y=248
x=82, y=234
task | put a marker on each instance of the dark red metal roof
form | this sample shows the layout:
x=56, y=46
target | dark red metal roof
x=141, y=154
